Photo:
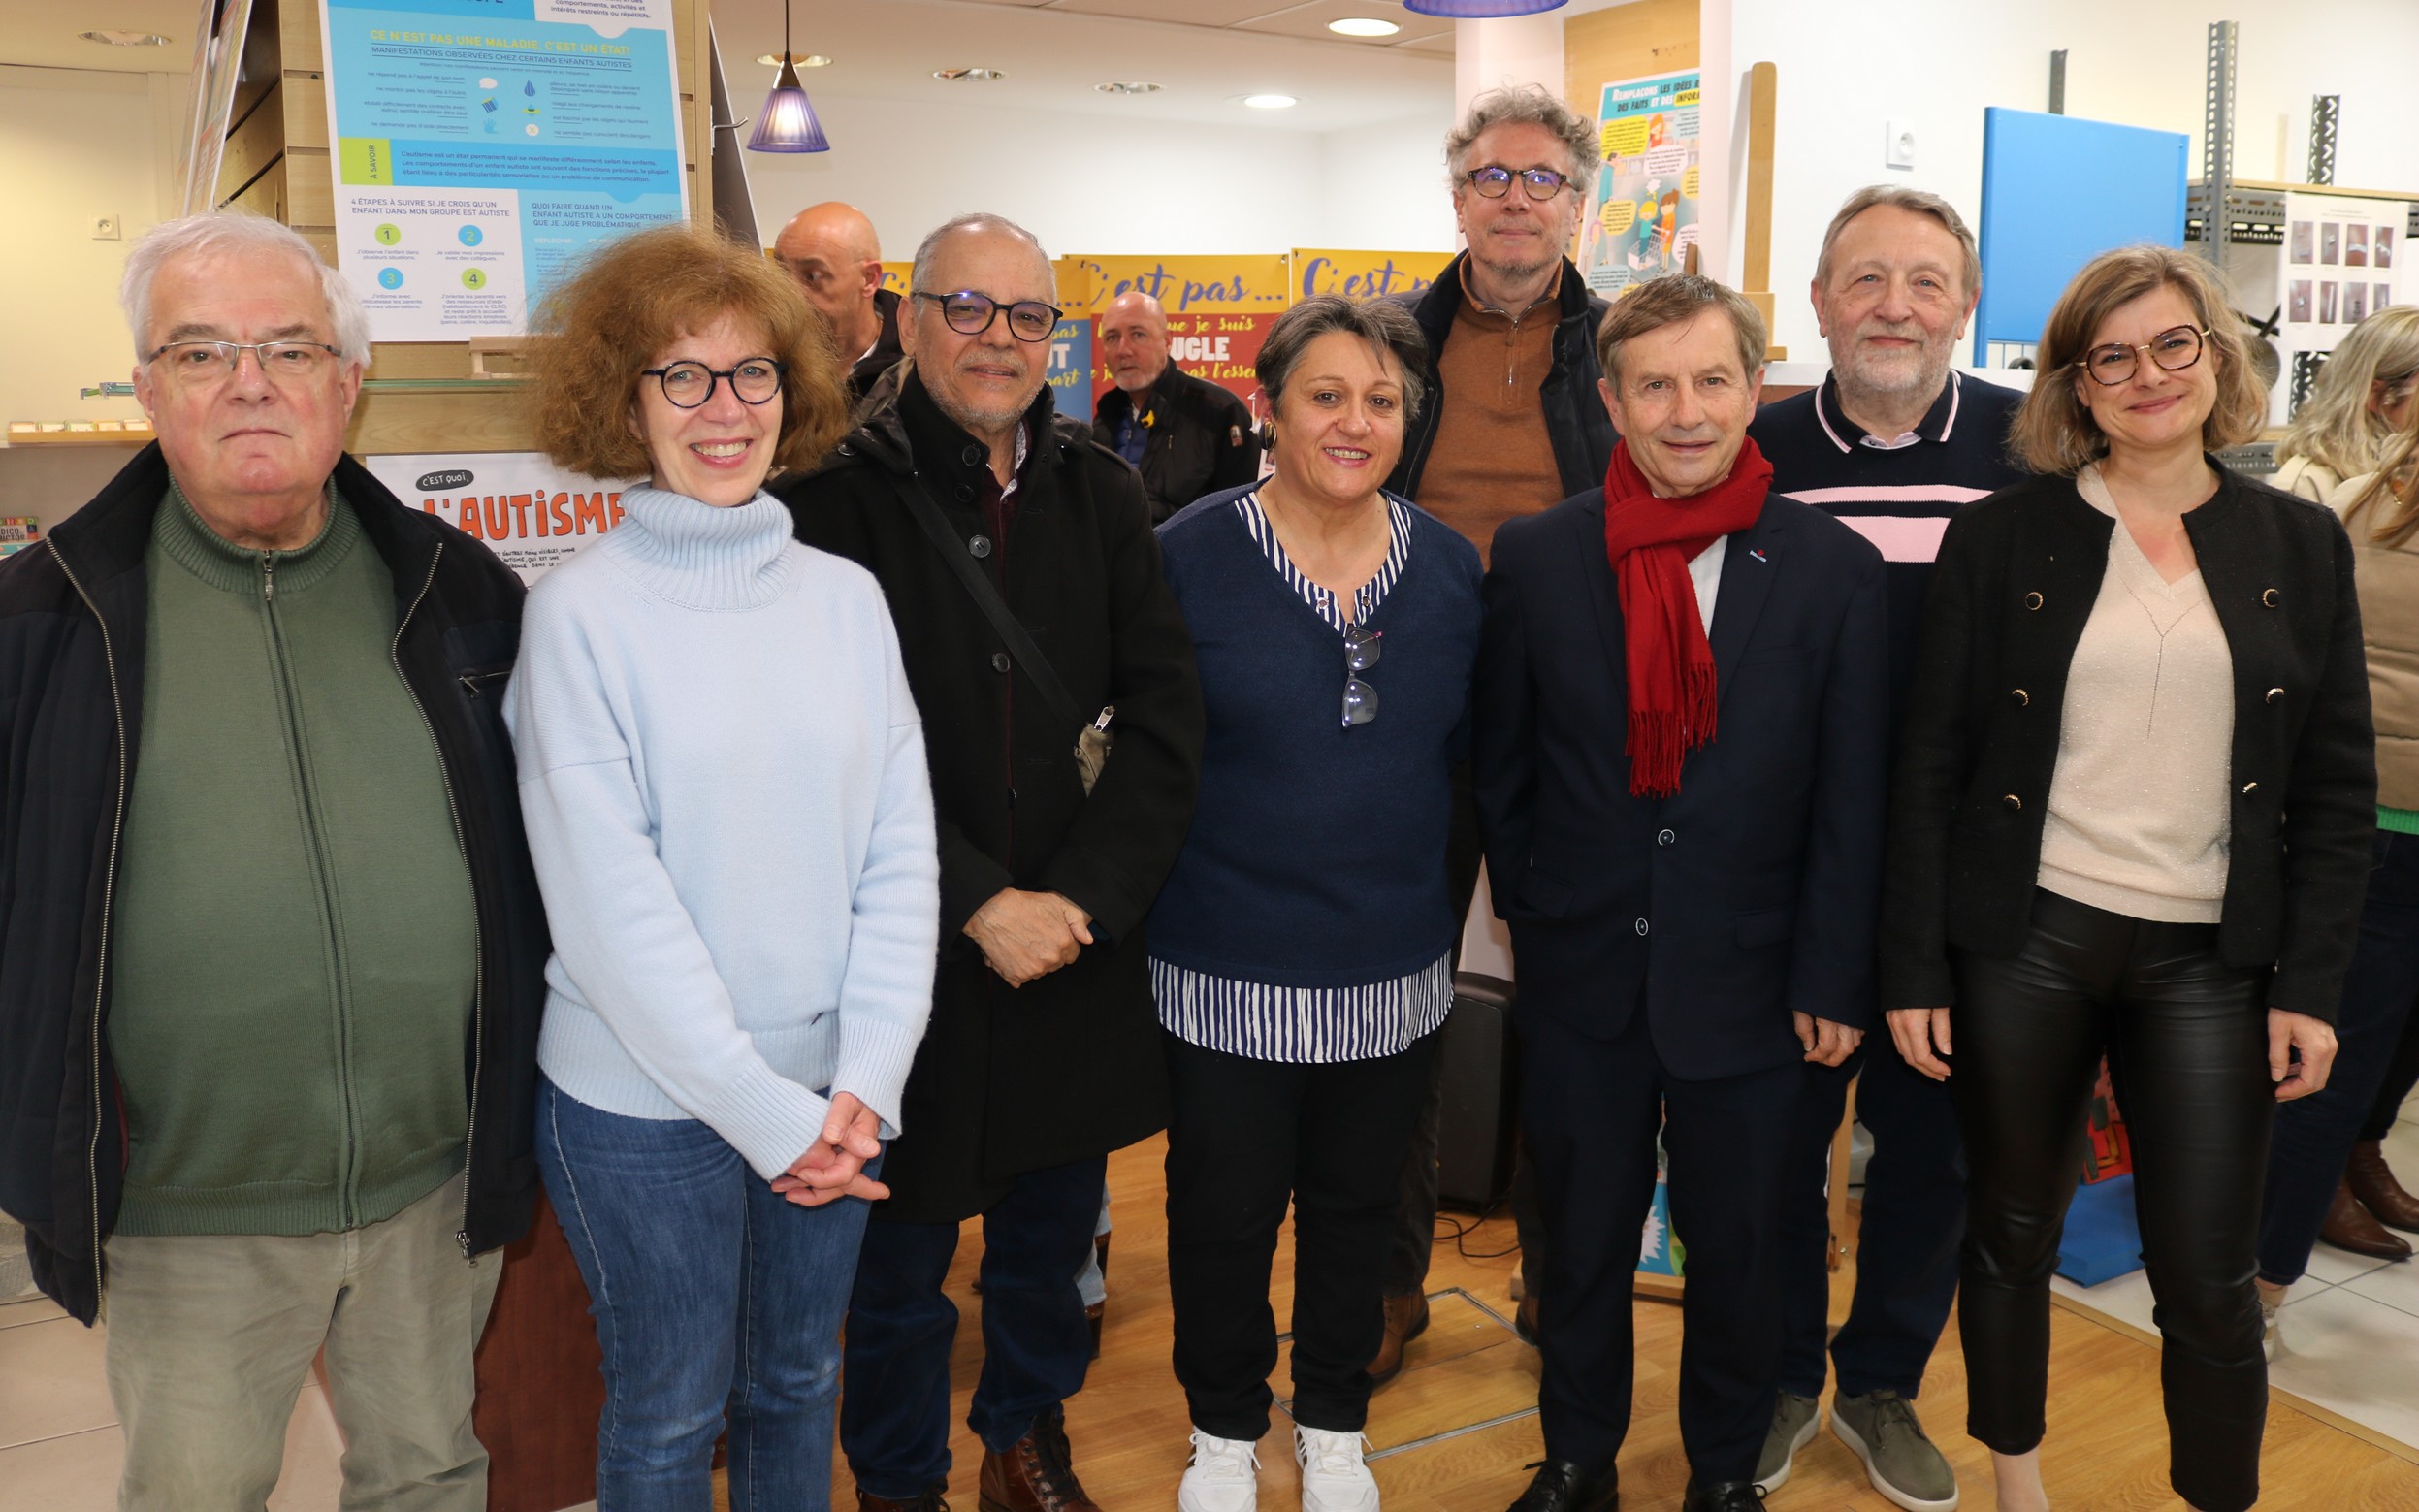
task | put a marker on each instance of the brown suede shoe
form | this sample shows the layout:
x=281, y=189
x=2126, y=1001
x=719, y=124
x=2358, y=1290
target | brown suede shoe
x=2372, y=1181
x=2349, y=1226
x=930, y=1502
x=1036, y=1473
x=1406, y=1319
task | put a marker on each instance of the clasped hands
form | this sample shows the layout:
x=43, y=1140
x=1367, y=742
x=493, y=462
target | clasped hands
x=1923, y=1038
x=1025, y=936
x=833, y=1167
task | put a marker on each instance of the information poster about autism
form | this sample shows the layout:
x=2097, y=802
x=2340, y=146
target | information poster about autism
x=483, y=145
x=1643, y=211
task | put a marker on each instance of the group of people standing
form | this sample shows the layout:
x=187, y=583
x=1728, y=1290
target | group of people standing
x=907, y=805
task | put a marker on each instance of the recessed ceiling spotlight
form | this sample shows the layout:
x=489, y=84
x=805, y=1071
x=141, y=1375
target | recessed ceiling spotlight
x=1127, y=86
x=803, y=60
x=112, y=37
x=1268, y=101
x=1363, y=26
x=955, y=74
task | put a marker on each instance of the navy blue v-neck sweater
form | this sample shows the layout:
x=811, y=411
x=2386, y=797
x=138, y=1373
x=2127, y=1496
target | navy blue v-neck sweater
x=1316, y=857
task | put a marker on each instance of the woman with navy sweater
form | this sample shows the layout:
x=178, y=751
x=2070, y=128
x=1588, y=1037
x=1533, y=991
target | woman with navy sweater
x=722, y=776
x=1302, y=949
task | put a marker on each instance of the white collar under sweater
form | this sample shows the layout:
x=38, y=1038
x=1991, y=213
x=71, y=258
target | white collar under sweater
x=700, y=556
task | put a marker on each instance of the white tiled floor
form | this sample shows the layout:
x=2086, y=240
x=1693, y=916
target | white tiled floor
x=60, y=1444
x=2350, y=1328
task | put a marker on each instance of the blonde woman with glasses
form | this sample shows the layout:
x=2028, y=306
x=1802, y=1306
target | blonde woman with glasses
x=2131, y=817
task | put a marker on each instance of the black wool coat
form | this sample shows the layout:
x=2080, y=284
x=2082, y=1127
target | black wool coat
x=2015, y=581
x=1070, y=1066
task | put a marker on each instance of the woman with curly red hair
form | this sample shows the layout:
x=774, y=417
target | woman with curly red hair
x=722, y=776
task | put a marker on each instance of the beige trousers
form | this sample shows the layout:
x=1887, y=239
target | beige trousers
x=210, y=1336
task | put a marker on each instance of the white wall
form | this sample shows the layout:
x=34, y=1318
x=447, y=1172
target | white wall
x=1385, y=186
x=72, y=145
x=1847, y=67
x=1085, y=187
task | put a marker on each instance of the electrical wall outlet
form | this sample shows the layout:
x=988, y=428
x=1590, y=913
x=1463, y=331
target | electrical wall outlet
x=1899, y=149
x=104, y=228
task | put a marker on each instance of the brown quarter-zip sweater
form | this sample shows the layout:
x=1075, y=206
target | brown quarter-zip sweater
x=1492, y=460
x=295, y=938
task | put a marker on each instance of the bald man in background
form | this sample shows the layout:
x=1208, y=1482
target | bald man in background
x=1186, y=436
x=833, y=252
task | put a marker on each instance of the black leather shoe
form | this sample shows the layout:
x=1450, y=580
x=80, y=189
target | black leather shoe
x=1561, y=1486
x=1721, y=1496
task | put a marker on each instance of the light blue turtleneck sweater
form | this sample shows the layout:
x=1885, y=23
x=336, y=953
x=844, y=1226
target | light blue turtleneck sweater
x=722, y=774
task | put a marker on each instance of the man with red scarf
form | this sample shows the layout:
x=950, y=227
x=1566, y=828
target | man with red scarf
x=1681, y=730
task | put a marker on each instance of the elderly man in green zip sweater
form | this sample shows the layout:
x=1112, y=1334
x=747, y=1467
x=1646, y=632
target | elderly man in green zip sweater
x=310, y=952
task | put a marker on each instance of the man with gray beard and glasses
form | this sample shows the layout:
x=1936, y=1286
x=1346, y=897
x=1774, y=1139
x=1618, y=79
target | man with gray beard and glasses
x=1892, y=442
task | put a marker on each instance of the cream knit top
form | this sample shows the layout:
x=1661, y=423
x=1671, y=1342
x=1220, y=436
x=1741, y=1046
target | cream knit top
x=2139, y=817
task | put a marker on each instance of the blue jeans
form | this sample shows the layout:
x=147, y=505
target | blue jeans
x=2315, y=1133
x=713, y=1297
x=894, y=1425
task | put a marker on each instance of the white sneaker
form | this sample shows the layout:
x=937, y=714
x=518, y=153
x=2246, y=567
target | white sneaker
x=1334, y=1476
x=1223, y=1477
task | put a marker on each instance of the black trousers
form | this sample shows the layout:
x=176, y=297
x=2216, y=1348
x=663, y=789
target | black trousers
x=1592, y=1109
x=2186, y=1040
x=2314, y=1135
x=2402, y=1075
x=1245, y=1136
x=1415, y=1240
x=1908, y=1239
x=1413, y=1244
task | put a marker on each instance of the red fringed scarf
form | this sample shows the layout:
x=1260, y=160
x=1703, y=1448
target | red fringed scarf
x=1672, y=697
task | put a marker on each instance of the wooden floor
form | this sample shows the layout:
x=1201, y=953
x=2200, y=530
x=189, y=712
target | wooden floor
x=1452, y=1433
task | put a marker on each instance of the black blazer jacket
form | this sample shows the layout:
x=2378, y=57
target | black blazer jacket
x=1752, y=893
x=2016, y=581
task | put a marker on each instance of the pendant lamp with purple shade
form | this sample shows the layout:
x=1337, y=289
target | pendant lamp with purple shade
x=787, y=123
x=1481, y=10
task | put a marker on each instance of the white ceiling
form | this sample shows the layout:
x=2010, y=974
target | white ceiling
x=1201, y=52
x=42, y=34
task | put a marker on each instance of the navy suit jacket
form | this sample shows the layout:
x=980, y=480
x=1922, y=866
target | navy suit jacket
x=1753, y=891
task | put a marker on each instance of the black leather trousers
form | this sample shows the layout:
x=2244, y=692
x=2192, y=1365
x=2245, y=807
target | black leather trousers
x=2185, y=1036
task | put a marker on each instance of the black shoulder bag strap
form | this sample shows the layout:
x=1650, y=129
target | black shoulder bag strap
x=978, y=586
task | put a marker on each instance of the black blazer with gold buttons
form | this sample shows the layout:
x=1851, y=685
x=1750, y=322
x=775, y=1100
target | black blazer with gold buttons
x=2015, y=581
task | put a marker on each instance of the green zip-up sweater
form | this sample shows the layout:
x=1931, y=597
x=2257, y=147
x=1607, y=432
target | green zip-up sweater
x=295, y=937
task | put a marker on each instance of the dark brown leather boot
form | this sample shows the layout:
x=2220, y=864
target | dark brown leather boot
x=2349, y=1226
x=1036, y=1473
x=1406, y=1319
x=2371, y=1180
x=930, y=1502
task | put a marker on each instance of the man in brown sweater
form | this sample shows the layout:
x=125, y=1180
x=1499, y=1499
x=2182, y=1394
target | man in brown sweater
x=1512, y=426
